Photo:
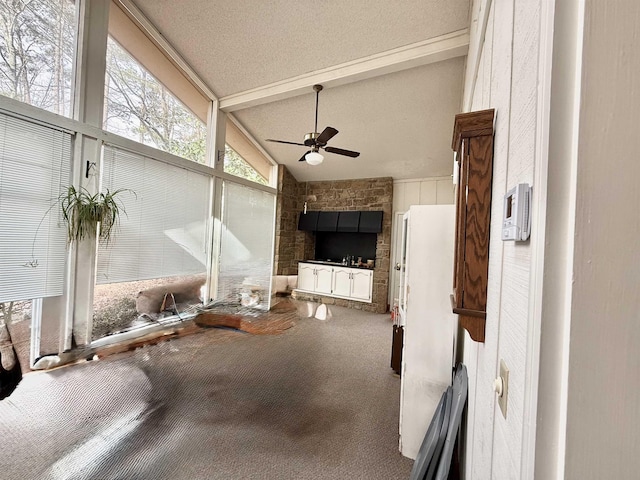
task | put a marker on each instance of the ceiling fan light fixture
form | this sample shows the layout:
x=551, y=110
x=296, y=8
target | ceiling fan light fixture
x=313, y=158
x=314, y=140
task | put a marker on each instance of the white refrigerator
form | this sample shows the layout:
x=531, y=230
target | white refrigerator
x=426, y=315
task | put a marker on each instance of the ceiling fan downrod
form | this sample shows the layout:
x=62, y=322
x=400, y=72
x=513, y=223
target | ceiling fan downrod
x=317, y=89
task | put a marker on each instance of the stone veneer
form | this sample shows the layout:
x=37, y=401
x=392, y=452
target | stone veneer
x=293, y=246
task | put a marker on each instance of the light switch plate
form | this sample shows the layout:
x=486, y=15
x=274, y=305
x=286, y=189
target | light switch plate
x=502, y=399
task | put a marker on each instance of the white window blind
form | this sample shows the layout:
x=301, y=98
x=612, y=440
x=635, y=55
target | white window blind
x=35, y=165
x=246, y=251
x=164, y=230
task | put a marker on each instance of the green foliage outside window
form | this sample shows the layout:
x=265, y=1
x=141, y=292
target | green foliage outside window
x=139, y=107
x=236, y=165
x=37, y=50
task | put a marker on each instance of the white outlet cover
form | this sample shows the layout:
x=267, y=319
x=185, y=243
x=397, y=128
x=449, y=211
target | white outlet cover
x=502, y=399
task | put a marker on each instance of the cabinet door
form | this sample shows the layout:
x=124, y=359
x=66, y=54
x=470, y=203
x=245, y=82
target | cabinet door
x=370, y=222
x=348, y=221
x=361, y=284
x=473, y=144
x=306, y=277
x=323, y=279
x=308, y=221
x=327, y=221
x=342, y=282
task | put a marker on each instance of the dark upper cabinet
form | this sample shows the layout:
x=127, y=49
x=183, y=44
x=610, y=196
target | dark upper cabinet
x=308, y=221
x=327, y=222
x=370, y=222
x=348, y=221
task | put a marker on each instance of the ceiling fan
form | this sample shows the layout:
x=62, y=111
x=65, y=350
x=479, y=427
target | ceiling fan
x=318, y=141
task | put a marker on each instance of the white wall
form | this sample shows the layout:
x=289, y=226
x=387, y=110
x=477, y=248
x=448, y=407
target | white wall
x=505, y=40
x=560, y=230
x=563, y=77
x=603, y=408
x=423, y=191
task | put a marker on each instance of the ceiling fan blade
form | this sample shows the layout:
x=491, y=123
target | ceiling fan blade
x=282, y=141
x=302, y=159
x=326, y=135
x=340, y=151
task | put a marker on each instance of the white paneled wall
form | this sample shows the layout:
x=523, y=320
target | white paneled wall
x=423, y=191
x=507, y=81
x=565, y=100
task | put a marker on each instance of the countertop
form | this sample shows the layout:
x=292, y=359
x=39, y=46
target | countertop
x=336, y=264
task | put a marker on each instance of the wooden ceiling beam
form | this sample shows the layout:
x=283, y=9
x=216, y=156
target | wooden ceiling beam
x=444, y=47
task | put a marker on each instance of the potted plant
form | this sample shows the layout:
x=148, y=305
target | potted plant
x=86, y=214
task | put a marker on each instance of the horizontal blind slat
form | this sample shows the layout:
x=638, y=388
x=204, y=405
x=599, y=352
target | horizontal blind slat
x=35, y=164
x=164, y=230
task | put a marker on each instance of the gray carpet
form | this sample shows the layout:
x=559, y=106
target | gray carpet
x=318, y=401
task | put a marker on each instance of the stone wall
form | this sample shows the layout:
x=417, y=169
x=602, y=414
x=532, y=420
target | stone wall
x=293, y=246
x=288, y=205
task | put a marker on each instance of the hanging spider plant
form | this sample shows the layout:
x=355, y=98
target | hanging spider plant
x=87, y=215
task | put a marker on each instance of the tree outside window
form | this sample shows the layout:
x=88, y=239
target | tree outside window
x=139, y=107
x=238, y=166
x=37, y=52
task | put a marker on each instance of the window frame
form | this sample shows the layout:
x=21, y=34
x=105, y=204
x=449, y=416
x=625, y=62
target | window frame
x=76, y=306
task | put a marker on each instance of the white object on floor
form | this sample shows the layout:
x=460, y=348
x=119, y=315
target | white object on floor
x=46, y=362
x=321, y=312
x=308, y=309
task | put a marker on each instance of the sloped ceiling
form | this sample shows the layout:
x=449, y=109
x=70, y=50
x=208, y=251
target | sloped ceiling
x=400, y=121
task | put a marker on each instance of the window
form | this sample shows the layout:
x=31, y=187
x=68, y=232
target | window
x=236, y=165
x=246, y=250
x=139, y=107
x=37, y=52
x=34, y=170
x=162, y=242
x=164, y=229
x=243, y=159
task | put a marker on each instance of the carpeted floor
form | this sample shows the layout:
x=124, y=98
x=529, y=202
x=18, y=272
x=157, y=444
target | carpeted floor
x=318, y=401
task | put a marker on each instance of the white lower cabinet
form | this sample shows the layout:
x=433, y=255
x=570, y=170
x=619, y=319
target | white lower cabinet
x=306, y=277
x=315, y=278
x=361, y=284
x=323, y=279
x=341, y=282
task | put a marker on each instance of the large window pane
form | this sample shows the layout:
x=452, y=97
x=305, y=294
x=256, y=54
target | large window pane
x=139, y=107
x=238, y=166
x=243, y=159
x=34, y=171
x=247, y=246
x=37, y=51
x=157, y=261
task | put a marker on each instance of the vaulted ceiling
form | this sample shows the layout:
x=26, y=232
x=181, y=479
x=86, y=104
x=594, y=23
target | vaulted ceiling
x=392, y=73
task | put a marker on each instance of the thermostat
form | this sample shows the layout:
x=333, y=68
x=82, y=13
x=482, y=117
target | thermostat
x=516, y=220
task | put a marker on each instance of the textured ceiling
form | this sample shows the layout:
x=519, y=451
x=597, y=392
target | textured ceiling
x=401, y=132
x=400, y=122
